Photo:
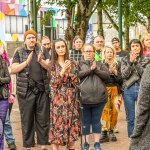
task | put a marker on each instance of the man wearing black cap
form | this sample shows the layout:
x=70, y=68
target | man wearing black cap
x=119, y=53
x=31, y=64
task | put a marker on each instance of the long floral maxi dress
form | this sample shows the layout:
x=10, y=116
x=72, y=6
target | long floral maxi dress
x=64, y=108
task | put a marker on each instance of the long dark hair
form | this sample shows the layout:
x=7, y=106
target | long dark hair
x=136, y=41
x=54, y=55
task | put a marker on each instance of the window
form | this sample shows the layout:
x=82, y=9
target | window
x=15, y=24
x=61, y=27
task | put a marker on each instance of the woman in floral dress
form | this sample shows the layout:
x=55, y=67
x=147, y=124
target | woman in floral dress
x=64, y=111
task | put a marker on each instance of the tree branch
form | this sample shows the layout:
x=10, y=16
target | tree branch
x=98, y=3
x=112, y=21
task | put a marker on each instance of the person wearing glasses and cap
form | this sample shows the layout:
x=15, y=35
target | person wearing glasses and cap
x=119, y=52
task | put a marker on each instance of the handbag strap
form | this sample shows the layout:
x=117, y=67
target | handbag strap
x=83, y=80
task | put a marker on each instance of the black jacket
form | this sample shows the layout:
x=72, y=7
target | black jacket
x=4, y=77
x=94, y=90
x=115, y=80
x=128, y=68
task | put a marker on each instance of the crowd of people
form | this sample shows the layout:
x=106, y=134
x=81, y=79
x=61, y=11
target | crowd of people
x=65, y=95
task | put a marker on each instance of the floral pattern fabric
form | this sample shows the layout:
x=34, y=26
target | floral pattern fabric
x=64, y=108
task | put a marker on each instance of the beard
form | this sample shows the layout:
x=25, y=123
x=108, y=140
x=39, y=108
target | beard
x=31, y=46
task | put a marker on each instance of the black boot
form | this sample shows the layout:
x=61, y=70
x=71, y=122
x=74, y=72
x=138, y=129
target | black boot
x=112, y=136
x=104, y=137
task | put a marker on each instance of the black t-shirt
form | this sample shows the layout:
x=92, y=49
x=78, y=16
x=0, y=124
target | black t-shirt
x=35, y=71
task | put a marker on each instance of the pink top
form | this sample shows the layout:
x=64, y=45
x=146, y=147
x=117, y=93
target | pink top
x=144, y=53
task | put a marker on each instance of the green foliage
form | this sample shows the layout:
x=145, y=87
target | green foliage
x=142, y=7
x=133, y=11
x=38, y=4
x=47, y=17
x=63, y=3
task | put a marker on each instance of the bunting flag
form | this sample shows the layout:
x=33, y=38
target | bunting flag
x=14, y=37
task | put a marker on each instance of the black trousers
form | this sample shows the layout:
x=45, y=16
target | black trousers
x=34, y=110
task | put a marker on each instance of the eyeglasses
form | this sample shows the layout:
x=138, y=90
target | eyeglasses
x=115, y=42
x=99, y=41
x=31, y=37
x=148, y=40
x=88, y=51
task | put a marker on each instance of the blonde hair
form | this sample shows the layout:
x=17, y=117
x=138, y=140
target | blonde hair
x=143, y=38
x=85, y=45
x=2, y=45
x=114, y=54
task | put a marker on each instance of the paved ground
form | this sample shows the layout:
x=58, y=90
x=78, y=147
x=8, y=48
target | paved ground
x=121, y=144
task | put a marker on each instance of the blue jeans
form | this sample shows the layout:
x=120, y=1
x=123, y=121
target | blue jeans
x=91, y=116
x=8, y=130
x=130, y=96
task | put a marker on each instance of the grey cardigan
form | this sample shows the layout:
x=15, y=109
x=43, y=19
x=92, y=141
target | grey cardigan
x=140, y=139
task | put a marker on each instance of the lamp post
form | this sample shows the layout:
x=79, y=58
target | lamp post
x=35, y=15
x=120, y=21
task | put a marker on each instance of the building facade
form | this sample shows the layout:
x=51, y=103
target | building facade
x=14, y=20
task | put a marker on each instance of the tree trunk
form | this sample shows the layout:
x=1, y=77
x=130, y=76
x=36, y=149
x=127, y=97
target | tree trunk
x=82, y=27
x=69, y=33
x=78, y=19
x=82, y=23
x=84, y=13
x=126, y=38
x=148, y=26
x=31, y=14
x=126, y=25
x=100, y=21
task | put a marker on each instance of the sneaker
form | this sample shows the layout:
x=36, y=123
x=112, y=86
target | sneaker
x=104, y=137
x=112, y=136
x=85, y=146
x=97, y=146
x=12, y=146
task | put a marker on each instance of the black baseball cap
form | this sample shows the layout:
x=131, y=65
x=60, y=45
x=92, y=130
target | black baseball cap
x=115, y=39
